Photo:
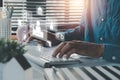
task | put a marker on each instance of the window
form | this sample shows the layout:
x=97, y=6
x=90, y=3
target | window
x=65, y=11
x=62, y=11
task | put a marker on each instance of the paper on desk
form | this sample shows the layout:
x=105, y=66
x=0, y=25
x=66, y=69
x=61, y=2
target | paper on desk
x=34, y=51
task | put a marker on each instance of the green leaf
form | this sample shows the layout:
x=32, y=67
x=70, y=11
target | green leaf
x=9, y=49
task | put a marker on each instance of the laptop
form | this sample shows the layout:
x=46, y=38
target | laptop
x=42, y=57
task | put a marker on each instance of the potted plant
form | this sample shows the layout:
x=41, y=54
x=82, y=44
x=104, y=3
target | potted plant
x=8, y=50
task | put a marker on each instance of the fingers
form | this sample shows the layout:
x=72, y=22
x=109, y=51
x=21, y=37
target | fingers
x=67, y=47
x=79, y=47
x=29, y=39
x=62, y=49
x=70, y=52
x=58, y=49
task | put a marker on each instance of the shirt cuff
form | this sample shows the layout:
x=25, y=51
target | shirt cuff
x=111, y=53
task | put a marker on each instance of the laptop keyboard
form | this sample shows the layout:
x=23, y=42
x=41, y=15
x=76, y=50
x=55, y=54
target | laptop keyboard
x=60, y=61
x=43, y=57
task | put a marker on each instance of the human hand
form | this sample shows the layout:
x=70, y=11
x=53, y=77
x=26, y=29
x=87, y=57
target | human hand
x=22, y=33
x=50, y=41
x=78, y=47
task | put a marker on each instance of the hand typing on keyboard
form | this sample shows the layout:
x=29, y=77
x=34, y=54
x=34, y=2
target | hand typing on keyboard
x=44, y=57
x=60, y=61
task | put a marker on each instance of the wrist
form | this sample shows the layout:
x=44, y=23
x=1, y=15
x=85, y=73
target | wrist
x=101, y=51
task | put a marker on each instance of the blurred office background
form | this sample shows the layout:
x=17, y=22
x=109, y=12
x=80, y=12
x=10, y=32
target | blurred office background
x=60, y=11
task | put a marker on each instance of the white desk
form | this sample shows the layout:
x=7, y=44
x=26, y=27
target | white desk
x=38, y=71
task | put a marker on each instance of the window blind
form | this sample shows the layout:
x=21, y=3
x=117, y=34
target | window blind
x=18, y=7
x=62, y=11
